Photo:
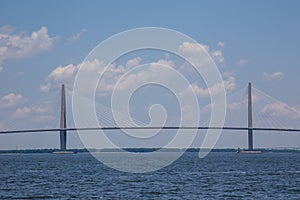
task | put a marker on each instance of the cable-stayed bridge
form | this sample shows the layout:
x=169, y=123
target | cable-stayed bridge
x=264, y=118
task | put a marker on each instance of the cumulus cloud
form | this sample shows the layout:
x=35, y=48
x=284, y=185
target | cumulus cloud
x=279, y=109
x=11, y=100
x=156, y=72
x=66, y=74
x=21, y=112
x=46, y=87
x=274, y=76
x=237, y=104
x=37, y=113
x=196, y=50
x=133, y=62
x=62, y=73
x=6, y=29
x=221, y=44
x=229, y=85
x=228, y=74
x=217, y=56
x=16, y=46
x=242, y=102
x=75, y=37
x=193, y=49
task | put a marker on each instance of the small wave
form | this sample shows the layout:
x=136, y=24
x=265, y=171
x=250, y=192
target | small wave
x=226, y=172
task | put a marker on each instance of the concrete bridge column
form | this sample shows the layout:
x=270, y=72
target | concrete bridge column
x=250, y=125
x=63, y=124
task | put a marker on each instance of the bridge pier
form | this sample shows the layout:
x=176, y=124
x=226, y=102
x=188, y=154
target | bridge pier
x=63, y=124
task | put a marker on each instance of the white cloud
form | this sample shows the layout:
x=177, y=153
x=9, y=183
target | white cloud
x=242, y=102
x=155, y=73
x=228, y=74
x=229, y=85
x=197, y=50
x=221, y=44
x=62, y=73
x=66, y=74
x=22, y=112
x=16, y=46
x=201, y=92
x=193, y=49
x=279, y=109
x=1, y=68
x=11, y=100
x=242, y=62
x=133, y=62
x=274, y=76
x=218, y=56
x=35, y=112
x=238, y=104
x=75, y=37
x=46, y=87
x=29, y=116
x=161, y=62
x=6, y=29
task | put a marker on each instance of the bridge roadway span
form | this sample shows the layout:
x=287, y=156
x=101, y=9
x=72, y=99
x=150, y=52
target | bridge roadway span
x=147, y=128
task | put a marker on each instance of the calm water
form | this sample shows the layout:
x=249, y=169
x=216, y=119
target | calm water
x=218, y=176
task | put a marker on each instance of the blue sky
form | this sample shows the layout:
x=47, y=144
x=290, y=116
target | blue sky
x=258, y=40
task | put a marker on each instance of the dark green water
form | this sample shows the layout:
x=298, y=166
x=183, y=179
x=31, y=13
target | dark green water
x=218, y=176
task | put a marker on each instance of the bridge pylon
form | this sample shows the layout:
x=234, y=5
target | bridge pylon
x=63, y=124
x=250, y=124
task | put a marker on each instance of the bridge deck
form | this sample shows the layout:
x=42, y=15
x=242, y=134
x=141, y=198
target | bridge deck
x=147, y=128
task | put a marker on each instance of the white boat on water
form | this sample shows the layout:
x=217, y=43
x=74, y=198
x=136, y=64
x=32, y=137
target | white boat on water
x=63, y=152
x=248, y=151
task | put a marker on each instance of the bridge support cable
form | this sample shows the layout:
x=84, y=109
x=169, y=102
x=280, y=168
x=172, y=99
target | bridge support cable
x=277, y=113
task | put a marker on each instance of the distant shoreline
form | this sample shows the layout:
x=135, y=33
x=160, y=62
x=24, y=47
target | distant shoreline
x=144, y=150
